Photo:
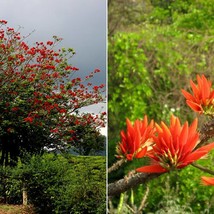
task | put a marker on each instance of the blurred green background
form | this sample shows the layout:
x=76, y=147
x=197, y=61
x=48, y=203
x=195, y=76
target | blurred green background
x=154, y=48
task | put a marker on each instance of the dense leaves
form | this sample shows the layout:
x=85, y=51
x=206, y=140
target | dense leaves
x=56, y=184
x=154, y=50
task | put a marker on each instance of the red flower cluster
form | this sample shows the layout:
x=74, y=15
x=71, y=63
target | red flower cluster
x=137, y=139
x=169, y=148
x=40, y=88
x=202, y=99
x=174, y=147
x=4, y=22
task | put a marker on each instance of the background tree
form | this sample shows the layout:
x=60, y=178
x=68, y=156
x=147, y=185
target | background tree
x=87, y=141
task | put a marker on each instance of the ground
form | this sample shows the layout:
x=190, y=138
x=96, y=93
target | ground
x=15, y=209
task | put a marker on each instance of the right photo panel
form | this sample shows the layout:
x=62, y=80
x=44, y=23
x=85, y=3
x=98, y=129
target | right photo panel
x=160, y=106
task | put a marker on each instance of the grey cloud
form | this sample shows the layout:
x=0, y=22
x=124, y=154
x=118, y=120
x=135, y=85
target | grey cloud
x=81, y=24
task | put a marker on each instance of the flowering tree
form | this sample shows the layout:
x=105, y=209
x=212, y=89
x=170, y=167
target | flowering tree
x=40, y=97
x=168, y=147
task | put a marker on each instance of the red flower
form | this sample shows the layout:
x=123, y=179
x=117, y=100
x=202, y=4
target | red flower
x=207, y=181
x=68, y=68
x=49, y=43
x=28, y=119
x=56, y=130
x=50, y=67
x=202, y=99
x=174, y=147
x=75, y=69
x=136, y=139
x=62, y=110
x=96, y=70
x=15, y=109
x=3, y=22
x=96, y=88
x=56, y=75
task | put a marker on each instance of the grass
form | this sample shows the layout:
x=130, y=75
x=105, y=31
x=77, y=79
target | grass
x=15, y=209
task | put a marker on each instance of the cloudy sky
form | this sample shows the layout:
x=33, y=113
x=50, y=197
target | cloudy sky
x=81, y=24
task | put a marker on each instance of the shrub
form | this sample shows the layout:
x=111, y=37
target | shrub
x=59, y=184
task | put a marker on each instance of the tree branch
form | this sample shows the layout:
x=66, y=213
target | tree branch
x=203, y=168
x=124, y=184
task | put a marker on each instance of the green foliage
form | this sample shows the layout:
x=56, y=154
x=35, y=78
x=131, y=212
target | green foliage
x=57, y=184
x=148, y=66
x=87, y=141
x=126, y=71
x=88, y=186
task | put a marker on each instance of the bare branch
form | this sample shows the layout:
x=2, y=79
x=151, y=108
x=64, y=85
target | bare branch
x=125, y=184
x=203, y=168
x=143, y=202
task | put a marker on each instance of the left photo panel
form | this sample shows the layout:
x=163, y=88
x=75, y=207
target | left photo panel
x=53, y=104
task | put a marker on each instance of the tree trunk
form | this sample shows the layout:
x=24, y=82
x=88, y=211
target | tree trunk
x=24, y=195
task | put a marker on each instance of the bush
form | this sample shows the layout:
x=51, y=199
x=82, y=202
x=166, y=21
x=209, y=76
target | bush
x=59, y=184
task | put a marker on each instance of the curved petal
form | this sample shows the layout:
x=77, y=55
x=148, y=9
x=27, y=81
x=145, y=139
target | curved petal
x=206, y=88
x=184, y=134
x=194, y=156
x=151, y=169
x=194, y=106
x=209, y=181
x=195, y=89
x=141, y=153
x=207, y=147
x=187, y=95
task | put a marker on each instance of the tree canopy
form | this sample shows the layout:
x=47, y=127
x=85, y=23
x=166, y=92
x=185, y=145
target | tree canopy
x=41, y=95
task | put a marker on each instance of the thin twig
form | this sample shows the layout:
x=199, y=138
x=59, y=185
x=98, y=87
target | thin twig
x=203, y=168
x=116, y=165
x=142, y=205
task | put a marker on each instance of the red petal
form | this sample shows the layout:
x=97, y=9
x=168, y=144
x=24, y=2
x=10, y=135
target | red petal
x=200, y=82
x=124, y=150
x=205, y=89
x=192, y=137
x=194, y=156
x=195, y=90
x=187, y=95
x=206, y=148
x=167, y=133
x=129, y=157
x=151, y=169
x=193, y=127
x=184, y=134
x=207, y=181
x=194, y=106
x=175, y=127
x=141, y=153
x=191, y=144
